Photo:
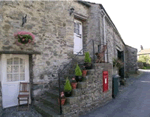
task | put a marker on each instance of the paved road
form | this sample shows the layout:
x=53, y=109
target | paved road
x=133, y=102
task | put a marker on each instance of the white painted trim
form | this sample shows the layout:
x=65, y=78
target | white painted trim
x=0, y=70
x=81, y=31
x=14, y=84
x=118, y=48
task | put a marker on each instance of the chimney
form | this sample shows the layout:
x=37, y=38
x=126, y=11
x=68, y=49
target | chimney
x=141, y=47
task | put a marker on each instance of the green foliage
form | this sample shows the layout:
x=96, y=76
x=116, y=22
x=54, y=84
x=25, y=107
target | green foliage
x=87, y=58
x=148, y=67
x=144, y=68
x=117, y=63
x=26, y=37
x=144, y=58
x=67, y=86
x=78, y=71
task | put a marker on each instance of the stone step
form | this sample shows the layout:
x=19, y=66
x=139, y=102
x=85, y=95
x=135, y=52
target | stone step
x=54, y=94
x=75, y=93
x=46, y=111
x=66, y=109
x=53, y=103
x=71, y=100
x=82, y=85
x=90, y=72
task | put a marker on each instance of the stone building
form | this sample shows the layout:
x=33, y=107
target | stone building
x=60, y=33
x=144, y=52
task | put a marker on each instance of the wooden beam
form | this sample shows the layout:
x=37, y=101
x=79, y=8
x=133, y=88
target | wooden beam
x=20, y=52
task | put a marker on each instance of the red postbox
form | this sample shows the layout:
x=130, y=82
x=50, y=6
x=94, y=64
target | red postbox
x=105, y=81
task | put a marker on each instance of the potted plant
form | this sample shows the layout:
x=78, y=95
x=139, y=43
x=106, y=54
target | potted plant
x=117, y=63
x=87, y=60
x=73, y=83
x=24, y=37
x=67, y=88
x=78, y=74
x=63, y=99
x=84, y=71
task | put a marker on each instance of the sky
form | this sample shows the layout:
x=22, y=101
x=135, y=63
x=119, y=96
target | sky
x=131, y=18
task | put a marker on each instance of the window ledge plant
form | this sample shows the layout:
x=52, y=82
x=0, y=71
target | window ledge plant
x=24, y=37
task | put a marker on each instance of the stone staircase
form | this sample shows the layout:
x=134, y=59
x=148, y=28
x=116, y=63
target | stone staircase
x=48, y=105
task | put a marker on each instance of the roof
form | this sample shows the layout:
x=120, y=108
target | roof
x=131, y=46
x=84, y=3
x=145, y=51
x=88, y=4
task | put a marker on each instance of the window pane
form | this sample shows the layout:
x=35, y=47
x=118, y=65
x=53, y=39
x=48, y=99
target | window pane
x=9, y=69
x=16, y=60
x=22, y=68
x=16, y=69
x=9, y=77
x=9, y=61
x=22, y=76
x=16, y=77
x=21, y=61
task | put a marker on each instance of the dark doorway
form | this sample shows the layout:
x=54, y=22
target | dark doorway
x=121, y=57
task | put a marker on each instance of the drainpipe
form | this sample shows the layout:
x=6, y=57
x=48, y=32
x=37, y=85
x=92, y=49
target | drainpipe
x=104, y=42
x=104, y=33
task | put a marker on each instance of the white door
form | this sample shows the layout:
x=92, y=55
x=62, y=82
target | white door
x=78, y=38
x=14, y=69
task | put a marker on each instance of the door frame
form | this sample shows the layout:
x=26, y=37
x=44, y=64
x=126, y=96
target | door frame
x=27, y=69
x=80, y=21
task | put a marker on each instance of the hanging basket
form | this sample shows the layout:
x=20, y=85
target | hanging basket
x=24, y=37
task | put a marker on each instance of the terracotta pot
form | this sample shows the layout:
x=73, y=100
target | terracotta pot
x=84, y=72
x=62, y=101
x=74, y=85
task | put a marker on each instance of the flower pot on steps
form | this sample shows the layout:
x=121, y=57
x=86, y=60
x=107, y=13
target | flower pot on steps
x=84, y=72
x=78, y=78
x=68, y=94
x=62, y=101
x=74, y=85
x=88, y=65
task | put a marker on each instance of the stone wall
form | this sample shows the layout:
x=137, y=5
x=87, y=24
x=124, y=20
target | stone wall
x=89, y=94
x=1, y=109
x=131, y=57
x=53, y=28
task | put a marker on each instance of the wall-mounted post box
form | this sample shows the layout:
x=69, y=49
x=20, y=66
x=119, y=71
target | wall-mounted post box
x=105, y=81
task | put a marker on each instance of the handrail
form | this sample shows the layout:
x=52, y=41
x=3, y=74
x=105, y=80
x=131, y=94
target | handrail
x=74, y=57
x=61, y=71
